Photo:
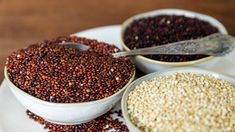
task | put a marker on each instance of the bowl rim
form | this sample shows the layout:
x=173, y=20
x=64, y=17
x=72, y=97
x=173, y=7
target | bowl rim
x=12, y=86
x=172, y=11
x=170, y=71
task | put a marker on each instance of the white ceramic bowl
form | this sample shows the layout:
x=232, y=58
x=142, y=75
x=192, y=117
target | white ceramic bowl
x=147, y=65
x=165, y=72
x=66, y=113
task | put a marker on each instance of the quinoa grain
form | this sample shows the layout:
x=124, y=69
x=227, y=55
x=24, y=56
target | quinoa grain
x=62, y=74
x=104, y=123
x=164, y=29
x=183, y=102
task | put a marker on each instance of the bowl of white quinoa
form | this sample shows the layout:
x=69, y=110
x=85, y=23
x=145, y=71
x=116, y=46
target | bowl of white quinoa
x=180, y=99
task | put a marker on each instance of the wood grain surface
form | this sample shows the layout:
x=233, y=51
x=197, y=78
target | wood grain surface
x=25, y=21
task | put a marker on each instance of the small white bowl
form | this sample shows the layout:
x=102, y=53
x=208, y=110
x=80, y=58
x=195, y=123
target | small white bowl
x=65, y=113
x=148, y=65
x=165, y=72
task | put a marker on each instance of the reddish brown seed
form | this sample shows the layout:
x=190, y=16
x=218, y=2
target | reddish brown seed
x=164, y=29
x=62, y=74
x=101, y=124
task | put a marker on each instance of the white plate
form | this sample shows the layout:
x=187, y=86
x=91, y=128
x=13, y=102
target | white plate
x=12, y=114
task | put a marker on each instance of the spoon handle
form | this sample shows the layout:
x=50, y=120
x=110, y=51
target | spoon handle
x=216, y=45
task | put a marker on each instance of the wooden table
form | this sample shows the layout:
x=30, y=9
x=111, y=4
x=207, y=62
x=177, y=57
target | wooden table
x=24, y=22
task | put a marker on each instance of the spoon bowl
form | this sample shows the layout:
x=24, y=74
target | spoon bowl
x=81, y=47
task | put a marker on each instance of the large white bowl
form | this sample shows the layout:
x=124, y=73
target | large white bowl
x=65, y=113
x=165, y=72
x=148, y=65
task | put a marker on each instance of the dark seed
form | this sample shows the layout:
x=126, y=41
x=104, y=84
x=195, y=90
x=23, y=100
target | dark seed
x=164, y=29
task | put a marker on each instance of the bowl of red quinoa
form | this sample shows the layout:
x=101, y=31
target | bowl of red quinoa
x=180, y=99
x=165, y=26
x=64, y=85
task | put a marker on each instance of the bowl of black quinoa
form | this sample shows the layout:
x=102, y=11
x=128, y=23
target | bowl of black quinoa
x=64, y=85
x=165, y=26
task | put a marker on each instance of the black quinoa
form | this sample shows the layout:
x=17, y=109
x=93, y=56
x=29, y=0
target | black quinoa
x=62, y=74
x=164, y=29
x=103, y=123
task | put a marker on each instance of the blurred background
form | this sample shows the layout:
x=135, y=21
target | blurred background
x=25, y=21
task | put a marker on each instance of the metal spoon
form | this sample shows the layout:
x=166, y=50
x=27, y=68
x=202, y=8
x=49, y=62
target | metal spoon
x=216, y=45
x=81, y=47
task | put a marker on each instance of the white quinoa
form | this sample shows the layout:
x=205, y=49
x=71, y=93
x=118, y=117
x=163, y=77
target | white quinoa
x=183, y=102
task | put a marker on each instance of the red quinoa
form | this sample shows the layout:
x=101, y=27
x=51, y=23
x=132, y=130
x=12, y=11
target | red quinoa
x=103, y=123
x=164, y=29
x=61, y=74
